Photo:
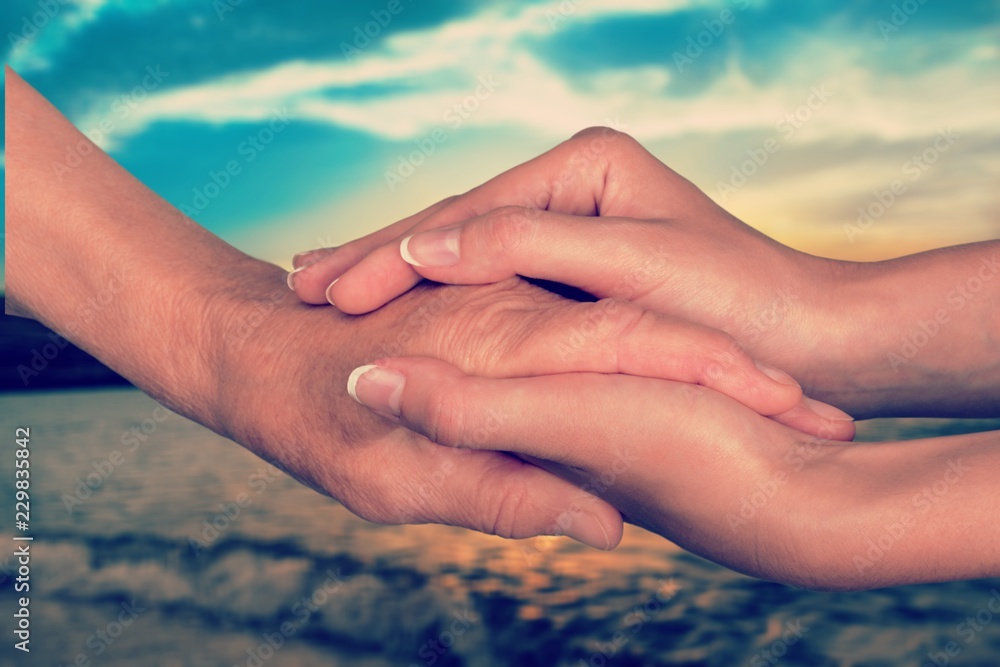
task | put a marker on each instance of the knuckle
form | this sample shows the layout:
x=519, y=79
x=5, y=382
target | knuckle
x=446, y=422
x=720, y=354
x=598, y=132
x=612, y=323
x=510, y=228
x=622, y=315
x=482, y=331
x=605, y=136
x=619, y=317
x=509, y=508
x=630, y=320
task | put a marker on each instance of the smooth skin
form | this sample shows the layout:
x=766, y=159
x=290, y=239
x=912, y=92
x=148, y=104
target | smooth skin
x=216, y=336
x=720, y=480
x=854, y=334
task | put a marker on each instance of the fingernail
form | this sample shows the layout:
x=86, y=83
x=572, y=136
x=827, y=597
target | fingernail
x=827, y=411
x=431, y=249
x=291, y=278
x=329, y=298
x=779, y=376
x=377, y=388
x=587, y=529
x=299, y=258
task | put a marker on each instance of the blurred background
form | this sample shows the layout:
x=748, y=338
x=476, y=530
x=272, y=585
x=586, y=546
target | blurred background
x=283, y=126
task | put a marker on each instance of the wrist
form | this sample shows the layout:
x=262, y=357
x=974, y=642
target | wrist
x=902, y=338
x=248, y=314
x=846, y=328
x=894, y=513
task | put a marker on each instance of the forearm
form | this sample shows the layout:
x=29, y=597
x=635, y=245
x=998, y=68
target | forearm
x=101, y=259
x=914, y=336
x=907, y=512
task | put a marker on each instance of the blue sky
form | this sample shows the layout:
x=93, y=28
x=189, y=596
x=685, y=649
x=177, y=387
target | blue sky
x=849, y=92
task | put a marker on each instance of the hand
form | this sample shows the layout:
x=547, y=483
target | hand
x=850, y=333
x=214, y=335
x=716, y=478
x=279, y=396
x=661, y=243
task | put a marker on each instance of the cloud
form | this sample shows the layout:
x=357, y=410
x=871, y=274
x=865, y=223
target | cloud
x=45, y=29
x=555, y=67
x=412, y=87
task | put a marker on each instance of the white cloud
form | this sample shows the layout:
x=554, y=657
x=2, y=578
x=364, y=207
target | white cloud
x=46, y=28
x=427, y=72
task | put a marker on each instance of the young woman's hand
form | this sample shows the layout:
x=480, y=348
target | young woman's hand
x=714, y=477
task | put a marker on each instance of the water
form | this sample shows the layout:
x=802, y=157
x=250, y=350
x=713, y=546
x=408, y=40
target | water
x=116, y=580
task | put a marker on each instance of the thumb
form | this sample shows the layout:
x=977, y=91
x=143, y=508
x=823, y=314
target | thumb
x=489, y=491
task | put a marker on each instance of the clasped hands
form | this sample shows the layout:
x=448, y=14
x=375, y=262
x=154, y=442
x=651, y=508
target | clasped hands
x=674, y=397
x=490, y=403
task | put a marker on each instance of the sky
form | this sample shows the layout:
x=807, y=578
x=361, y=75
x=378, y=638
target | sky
x=283, y=126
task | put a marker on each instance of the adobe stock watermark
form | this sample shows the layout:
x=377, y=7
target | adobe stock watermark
x=368, y=33
x=623, y=460
x=86, y=311
x=416, y=322
x=912, y=170
x=454, y=117
x=704, y=39
x=598, y=141
x=634, y=621
x=434, y=649
x=602, y=321
x=223, y=7
x=302, y=611
x=229, y=512
x=768, y=318
x=763, y=321
x=924, y=331
x=765, y=490
x=776, y=650
x=901, y=14
x=247, y=151
x=262, y=310
x=562, y=11
x=786, y=127
x=103, y=638
x=967, y=630
x=422, y=493
x=120, y=108
x=32, y=23
x=104, y=468
x=922, y=503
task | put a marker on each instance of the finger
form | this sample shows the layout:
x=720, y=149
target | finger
x=315, y=270
x=615, y=336
x=615, y=258
x=571, y=179
x=819, y=419
x=515, y=414
x=450, y=408
x=495, y=493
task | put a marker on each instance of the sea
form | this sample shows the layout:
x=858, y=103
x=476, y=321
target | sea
x=156, y=542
